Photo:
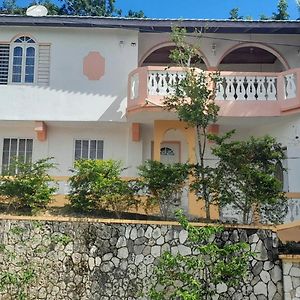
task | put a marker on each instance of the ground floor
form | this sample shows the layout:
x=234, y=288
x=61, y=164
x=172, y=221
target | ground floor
x=141, y=138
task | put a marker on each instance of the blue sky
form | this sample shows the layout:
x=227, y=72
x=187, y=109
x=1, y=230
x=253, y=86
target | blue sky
x=208, y=9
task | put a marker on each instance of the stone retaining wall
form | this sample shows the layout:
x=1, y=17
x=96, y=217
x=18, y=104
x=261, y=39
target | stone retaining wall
x=291, y=277
x=85, y=260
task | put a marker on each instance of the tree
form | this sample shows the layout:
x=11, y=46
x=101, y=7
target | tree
x=11, y=7
x=282, y=13
x=193, y=101
x=90, y=8
x=234, y=14
x=135, y=14
x=245, y=177
x=210, y=263
x=163, y=184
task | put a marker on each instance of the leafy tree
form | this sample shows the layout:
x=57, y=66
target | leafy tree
x=193, y=101
x=245, y=177
x=96, y=184
x=135, y=14
x=281, y=13
x=163, y=184
x=31, y=187
x=195, y=276
x=11, y=7
x=234, y=14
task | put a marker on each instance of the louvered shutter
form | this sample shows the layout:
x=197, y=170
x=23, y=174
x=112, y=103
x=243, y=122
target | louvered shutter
x=43, y=67
x=4, y=63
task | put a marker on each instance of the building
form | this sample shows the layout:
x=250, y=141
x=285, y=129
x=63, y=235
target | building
x=88, y=87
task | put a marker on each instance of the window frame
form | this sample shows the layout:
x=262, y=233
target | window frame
x=89, y=140
x=24, y=47
x=18, y=145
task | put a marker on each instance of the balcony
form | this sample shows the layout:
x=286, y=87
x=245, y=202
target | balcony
x=248, y=94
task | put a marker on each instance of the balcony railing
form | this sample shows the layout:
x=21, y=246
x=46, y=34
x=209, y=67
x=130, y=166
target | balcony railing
x=279, y=90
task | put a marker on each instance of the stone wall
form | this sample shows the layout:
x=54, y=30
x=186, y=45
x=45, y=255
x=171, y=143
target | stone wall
x=110, y=261
x=291, y=277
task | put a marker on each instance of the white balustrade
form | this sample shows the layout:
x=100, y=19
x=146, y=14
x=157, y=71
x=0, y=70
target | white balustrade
x=134, y=92
x=162, y=82
x=232, y=87
x=290, y=86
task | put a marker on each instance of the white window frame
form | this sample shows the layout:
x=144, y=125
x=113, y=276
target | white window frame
x=24, y=46
x=89, y=140
x=18, y=145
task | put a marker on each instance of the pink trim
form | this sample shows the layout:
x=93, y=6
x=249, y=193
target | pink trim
x=41, y=131
x=136, y=132
x=166, y=44
x=93, y=65
x=258, y=45
x=233, y=108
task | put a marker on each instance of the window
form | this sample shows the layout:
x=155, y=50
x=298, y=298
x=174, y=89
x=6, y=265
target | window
x=88, y=149
x=20, y=149
x=23, y=60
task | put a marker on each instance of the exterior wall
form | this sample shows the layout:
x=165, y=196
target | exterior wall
x=83, y=260
x=149, y=41
x=71, y=96
x=61, y=138
x=291, y=277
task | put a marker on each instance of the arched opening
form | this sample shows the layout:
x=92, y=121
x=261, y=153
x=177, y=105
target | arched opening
x=161, y=57
x=252, y=58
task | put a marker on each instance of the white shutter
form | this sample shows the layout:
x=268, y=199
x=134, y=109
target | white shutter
x=4, y=63
x=43, y=67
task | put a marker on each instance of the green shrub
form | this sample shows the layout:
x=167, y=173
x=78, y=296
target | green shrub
x=31, y=188
x=163, y=184
x=96, y=184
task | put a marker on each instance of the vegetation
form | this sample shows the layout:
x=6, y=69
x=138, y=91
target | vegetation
x=193, y=101
x=163, y=184
x=31, y=187
x=105, y=8
x=196, y=276
x=96, y=184
x=234, y=14
x=244, y=177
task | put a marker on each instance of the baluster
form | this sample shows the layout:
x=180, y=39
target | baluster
x=162, y=84
x=230, y=90
x=271, y=88
x=220, y=90
x=134, y=87
x=290, y=86
x=152, y=83
x=240, y=88
x=261, y=89
x=172, y=82
x=250, y=90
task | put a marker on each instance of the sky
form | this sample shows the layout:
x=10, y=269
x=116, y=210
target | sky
x=207, y=9
x=201, y=9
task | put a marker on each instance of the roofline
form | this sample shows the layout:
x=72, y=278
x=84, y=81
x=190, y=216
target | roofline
x=155, y=25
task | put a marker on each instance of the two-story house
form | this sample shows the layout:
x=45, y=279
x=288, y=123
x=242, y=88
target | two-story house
x=88, y=87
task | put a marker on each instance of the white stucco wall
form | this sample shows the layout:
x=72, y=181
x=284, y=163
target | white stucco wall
x=70, y=96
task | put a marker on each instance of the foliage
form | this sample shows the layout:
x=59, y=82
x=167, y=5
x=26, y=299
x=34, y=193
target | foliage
x=234, y=14
x=96, y=184
x=163, y=184
x=196, y=276
x=245, y=177
x=30, y=188
x=281, y=13
x=193, y=101
x=105, y=8
x=24, y=271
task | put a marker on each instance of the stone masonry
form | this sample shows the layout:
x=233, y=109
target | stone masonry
x=110, y=261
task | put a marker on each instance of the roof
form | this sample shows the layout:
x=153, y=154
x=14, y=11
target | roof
x=156, y=25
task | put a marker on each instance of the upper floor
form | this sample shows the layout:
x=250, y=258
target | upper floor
x=106, y=69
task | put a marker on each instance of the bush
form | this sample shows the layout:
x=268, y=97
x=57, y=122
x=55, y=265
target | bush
x=163, y=184
x=31, y=187
x=96, y=184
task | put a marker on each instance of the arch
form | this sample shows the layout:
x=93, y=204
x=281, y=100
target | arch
x=19, y=35
x=167, y=44
x=257, y=45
